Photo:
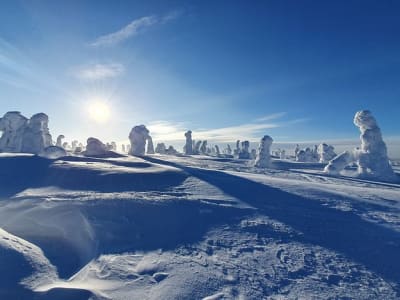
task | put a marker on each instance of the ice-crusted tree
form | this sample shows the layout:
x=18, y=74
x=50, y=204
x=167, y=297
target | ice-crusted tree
x=253, y=154
x=236, y=151
x=244, y=151
x=36, y=136
x=296, y=150
x=171, y=150
x=161, y=148
x=217, y=152
x=371, y=158
x=12, y=126
x=263, y=159
x=150, y=145
x=189, y=143
x=228, y=149
x=138, y=137
x=197, y=147
x=74, y=144
x=306, y=155
x=59, y=141
x=203, y=147
x=282, y=154
x=326, y=152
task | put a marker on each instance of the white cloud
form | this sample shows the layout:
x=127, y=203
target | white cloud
x=133, y=28
x=98, y=71
x=271, y=117
x=168, y=131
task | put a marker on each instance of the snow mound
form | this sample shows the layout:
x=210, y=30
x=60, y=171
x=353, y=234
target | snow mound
x=53, y=152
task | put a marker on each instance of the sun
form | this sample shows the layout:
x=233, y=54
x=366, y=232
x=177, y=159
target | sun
x=99, y=111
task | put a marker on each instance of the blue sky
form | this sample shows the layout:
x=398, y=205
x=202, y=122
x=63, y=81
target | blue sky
x=296, y=70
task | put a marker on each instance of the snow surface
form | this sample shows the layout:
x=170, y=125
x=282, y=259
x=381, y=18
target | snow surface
x=199, y=227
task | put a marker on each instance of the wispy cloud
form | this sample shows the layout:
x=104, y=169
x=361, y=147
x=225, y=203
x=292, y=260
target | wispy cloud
x=98, y=71
x=271, y=117
x=20, y=71
x=168, y=131
x=134, y=28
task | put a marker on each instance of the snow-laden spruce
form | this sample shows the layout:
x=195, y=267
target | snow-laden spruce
x=138, y=137
x=150, y=145
x=36, y=136
x=263, y=159
x=188, y=148
x=371, y=158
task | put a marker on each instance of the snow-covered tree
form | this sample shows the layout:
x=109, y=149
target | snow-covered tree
x=160, y=148
x=326, y=152
x=150, y=146
x=189, y=143
x=59, y=140
x=371, y=158
x=36, y=136
x=263, y=159
x=244, y=151
x=138, y=136
x=12, y=126
x=203, y=148
x=95, y=147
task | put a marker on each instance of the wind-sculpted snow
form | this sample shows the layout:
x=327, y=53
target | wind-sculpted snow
x=194, y=227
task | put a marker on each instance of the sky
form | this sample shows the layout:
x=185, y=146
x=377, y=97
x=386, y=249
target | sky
x=227, y=70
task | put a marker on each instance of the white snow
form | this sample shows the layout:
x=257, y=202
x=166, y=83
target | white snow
x=196, y=227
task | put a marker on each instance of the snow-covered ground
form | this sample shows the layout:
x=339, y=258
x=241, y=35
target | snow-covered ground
x=194, y=227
